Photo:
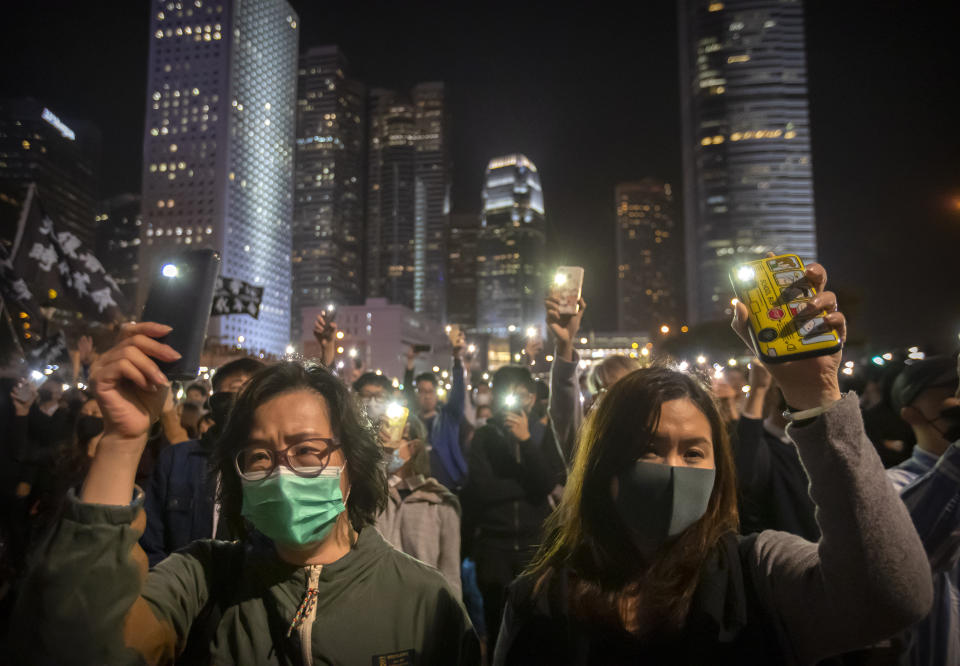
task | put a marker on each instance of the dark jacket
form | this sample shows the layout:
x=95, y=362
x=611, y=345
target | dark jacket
x=774, y=486
x=507, y=487
x=179, y=500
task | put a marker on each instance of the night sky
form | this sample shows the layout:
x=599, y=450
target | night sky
x=591, y=96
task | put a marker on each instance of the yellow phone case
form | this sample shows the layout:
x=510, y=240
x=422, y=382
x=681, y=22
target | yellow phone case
x=775, y=291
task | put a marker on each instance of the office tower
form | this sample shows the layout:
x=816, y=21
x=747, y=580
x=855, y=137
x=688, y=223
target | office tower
x=649, y=257
x=118, y=223
x=408, y=202
x=511, y=246
x=327, y=258
x=36, y=146
x=462, y=270
x=218, y=151
x=748, y=184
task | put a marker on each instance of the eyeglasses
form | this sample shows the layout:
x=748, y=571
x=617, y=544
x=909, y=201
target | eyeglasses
x=308, y=459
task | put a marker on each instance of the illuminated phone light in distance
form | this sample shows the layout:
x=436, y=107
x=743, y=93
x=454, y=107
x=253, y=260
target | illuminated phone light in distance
x=877, y=360
x=352, y=352
x=170, y=271
x=848, y=371
x=289, y=350
x=645, y=352
x=745, y=388
x=36, y=375
x=848, y=364
x=732, y=362
x=701, y=360
x=746, y=273
x=888, y=356
x=510, y=400
x=448, y=328
x=682, y=367
x=436, y=368
x=512, y=328
x=471, y=348
x=340, y=335
x=532, y=332
x=379, y=372
x=583, y=341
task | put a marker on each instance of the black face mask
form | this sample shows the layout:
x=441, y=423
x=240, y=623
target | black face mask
x=88, y=427
x=220, y=404
x=952, y=415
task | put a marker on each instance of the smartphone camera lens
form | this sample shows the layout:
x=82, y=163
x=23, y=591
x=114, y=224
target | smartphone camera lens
x=767, y=335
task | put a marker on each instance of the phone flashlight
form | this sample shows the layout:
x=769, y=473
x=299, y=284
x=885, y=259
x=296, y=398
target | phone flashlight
x=170, y=271
x=510, y=401
x=532, y=332
x=394, y=410
x=746, y=274
x=560, y=279
x=448, y=329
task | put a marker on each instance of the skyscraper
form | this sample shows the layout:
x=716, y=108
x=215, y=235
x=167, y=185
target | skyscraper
x=118, y=241
x=36, y=146
x=329, y=187
x=748, y=183
x=218, y=150
x=511, y=246
x=462, y=270
x=649, y=257
x=408, y=200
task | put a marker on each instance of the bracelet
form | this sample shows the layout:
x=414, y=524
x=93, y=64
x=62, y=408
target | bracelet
x=809, y=414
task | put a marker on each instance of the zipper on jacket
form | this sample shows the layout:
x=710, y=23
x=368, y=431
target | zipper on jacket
x=306, y=614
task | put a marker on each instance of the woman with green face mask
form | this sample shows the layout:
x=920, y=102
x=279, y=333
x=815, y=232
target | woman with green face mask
x=310, y=581
x=642, y=562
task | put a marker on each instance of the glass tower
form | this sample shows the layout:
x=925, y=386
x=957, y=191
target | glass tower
x=748, y=183
x=462, y=270
x=649, y=287
x=511, y=246
x=218, y=150
x=408, y=199
x=328, y=206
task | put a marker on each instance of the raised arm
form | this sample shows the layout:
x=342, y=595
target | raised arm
x=456, y=399
x=89, y=599
x=868, y=577
x=565, y=410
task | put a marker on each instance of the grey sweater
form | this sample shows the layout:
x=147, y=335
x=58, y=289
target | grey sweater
x=865, y=580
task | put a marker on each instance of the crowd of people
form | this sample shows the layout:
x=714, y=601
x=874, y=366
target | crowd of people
x=633, y=513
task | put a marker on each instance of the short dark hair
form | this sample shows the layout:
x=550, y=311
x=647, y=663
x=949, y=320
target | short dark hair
x=427, y=377
x=511, y=375
x=361, y=448
x=368, y=378
x=245, y=365
x=198, y=387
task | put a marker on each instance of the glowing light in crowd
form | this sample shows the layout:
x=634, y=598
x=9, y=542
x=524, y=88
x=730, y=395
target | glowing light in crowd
x=516, y=357
x=340, y=364
x=379, y=372
x=340, y=335
x=66, y=387
x=888, y=356
x=683, y=366
x=745, y=274
x=664, y=329
x=240, y=338
x=353, y=352
x=701, y=359
x=745, y=388
x=170, y=271
x=848, y=364
x=471, y=348
x=448, y=328
x=877, y=360
x=394, y=410
x=549, y=358
x=848, y=371
x=339, y=350
x=289, y=350
x=531, y=332
x=583, y=341
x=36, y=375
x=645, y=352
x=486, y=375
x=560, y=279
x=511, y=328
x=436, y=368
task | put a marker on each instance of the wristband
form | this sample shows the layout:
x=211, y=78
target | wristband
x=794, y=416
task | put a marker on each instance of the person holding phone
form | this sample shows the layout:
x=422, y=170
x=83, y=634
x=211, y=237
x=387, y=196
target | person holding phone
x=513, y=468
x=301, y=484
x=643, y=563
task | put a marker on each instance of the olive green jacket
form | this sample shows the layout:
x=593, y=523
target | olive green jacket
x=90, y=600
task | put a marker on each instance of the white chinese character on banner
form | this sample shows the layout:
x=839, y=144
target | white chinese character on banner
x=69, y=243
x=45, y=255
x=102, y=298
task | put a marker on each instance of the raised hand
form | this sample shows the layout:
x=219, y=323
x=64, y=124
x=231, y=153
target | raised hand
x=563, y=327
x=459, y=344
x=810, y=382
x=518, y=425
x=127, y=383
x=326, y=335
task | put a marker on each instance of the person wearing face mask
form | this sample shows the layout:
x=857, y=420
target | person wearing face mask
x=512, y=469
x=180, y=494
x=375, y=392
x=642, y=562
x=422, y=517
x=927, y=396
x=309, y=580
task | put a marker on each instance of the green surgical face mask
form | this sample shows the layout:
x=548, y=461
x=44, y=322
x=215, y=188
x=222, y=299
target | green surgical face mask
x=291, y=509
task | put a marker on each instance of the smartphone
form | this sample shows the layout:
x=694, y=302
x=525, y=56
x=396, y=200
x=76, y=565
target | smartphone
x=453, y=332
x=567, y=287
x=421, y=349
x=180, y=296
x=775, y=291
x=512, y=403
x=329, y=313
x=395, y=421
x=25, y=391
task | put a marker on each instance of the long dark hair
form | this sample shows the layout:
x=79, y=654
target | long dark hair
x=363, y=453
x=586, y=535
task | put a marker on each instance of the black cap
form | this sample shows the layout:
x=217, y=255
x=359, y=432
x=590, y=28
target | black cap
x=933, y=372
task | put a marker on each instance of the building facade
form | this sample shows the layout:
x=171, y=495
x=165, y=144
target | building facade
x=408, y=198
x=462, y=270
x=218, y=151
x=511, y=247
x=649, y=257
x=327, y=258
x=118, y=223
x=748, y=182
x=36, y=146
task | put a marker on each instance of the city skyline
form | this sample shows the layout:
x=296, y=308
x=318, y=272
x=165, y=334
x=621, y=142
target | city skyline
x=879, y=115
x=218, y=152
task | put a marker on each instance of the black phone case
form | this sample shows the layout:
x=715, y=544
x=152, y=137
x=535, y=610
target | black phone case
x=183, y=303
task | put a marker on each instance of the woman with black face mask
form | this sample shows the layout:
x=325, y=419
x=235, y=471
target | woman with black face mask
x=642, y=562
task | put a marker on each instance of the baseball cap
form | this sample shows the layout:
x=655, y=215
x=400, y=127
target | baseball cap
x=934, y=372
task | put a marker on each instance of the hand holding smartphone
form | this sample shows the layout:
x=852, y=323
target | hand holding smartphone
x=567, y=287
x=180, y=296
